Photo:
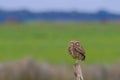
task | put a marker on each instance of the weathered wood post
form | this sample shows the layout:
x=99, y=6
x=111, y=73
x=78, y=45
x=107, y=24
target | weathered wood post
x=77, y=71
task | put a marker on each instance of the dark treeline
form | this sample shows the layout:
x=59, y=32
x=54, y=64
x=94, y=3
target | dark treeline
x=25, y=15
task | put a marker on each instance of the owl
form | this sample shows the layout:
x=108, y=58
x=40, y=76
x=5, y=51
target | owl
x=76, y=50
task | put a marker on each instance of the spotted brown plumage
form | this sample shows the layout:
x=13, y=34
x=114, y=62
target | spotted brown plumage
x=76, y=50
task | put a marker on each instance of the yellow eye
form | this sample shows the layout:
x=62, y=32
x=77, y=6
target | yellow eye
x=77, y=43
x=71, y=43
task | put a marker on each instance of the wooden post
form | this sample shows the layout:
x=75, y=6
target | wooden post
x=77, y=71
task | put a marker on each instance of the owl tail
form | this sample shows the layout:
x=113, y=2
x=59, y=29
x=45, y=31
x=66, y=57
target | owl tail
x=83, y=57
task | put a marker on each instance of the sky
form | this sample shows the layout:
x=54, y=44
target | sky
x=112, y=6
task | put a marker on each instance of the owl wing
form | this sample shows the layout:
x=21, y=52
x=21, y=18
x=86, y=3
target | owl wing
x=80, y=49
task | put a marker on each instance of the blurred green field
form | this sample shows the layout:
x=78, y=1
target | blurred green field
x=49, y=40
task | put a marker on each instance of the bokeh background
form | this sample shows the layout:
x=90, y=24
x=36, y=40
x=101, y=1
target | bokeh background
x=34, y=36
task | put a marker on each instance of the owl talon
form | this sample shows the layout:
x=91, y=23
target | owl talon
x=76, y=61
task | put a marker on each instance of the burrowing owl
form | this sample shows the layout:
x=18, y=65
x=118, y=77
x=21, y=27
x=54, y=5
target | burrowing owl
x=76, y=50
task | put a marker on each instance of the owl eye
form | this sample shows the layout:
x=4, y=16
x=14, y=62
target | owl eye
x=72, y=44
x=77, y=43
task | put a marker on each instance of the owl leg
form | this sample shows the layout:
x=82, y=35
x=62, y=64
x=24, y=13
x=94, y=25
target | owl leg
x=76, y=61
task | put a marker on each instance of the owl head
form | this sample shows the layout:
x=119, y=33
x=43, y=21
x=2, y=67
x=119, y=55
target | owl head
x=74, y=43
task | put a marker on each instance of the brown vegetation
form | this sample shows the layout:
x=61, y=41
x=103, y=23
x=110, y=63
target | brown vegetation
x=28, y=69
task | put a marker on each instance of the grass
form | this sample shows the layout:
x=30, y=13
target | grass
x=49, y=40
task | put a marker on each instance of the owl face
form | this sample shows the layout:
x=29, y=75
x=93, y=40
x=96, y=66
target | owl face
x=74, y=43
